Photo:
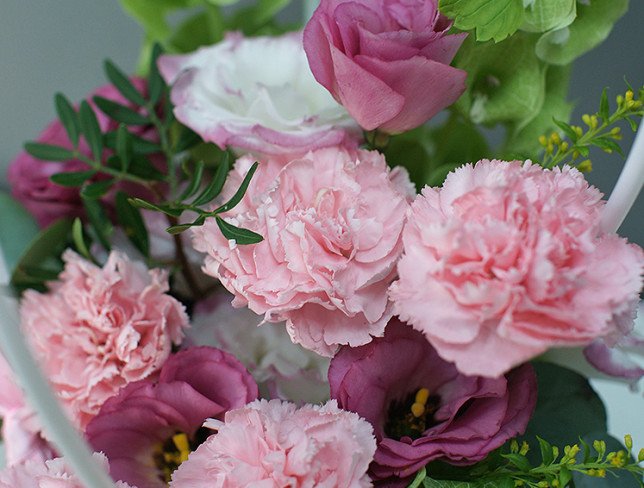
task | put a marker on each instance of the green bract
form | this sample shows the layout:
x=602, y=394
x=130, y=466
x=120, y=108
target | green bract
x=592, y=25
x=492, y=19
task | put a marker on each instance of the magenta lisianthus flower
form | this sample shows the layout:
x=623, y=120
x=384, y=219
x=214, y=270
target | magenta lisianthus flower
x=457, y=418
x=276, y=444
x=150, y=426
x=233, y=95
x=385, y=61
x=52, y=473
x=29, y=177
x=98, y=329
x=506, y=260
x=332, y=224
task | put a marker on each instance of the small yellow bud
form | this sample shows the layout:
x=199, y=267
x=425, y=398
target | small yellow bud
x=637, y=104
x=564, y=146
x=601, y=473
x=524, y=448
x=578, y=130
x=550, y=148
x=555, y=483
x=594, y=122
x=620, y=100
x=585, y=166
x=518, y=483
x=615, y=130
x=640, y=455
x=575, y=154
x=514, y=446
x=543, y=484
x=543, y=141
x=628, y=441
x=630, y=104
x=554, y=137
x=586, y=119
x=628, y=96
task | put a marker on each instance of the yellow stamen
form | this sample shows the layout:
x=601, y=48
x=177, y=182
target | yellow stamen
x=418, y=407
x=183, y=446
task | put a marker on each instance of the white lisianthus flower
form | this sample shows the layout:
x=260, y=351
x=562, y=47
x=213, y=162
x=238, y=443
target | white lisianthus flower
x=281, y=368
x=256, y=94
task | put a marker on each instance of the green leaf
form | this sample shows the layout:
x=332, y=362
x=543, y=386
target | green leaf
x=591, y=27
x=216, y=184
x=567, y=407
x=123, y=84
x=40, y=260
x=492, y=19
x=497, y=483
x=506, y=82
x=604, y=107
x=523, y=141
x=519, y=460
x=195, y=182
x=239, y=194
x=239, y=235
x=123, y=147
x=68, y=117
x=23, y=229
x=608, y=145
x=96, y=190
x=137, y=144
x=151, y=14
x=139, y=166
x=138, y=202
x=177, y=229
x=546, y=451
x=156, y=84
x=565, y=476
x=119, y=112
x=130, y=219
x=79, y=239
x=545, y=15
x=91, y=130
x=48, y=152
x=197, y=31
x=99, y=222
x=73, y=178
x=187, y=139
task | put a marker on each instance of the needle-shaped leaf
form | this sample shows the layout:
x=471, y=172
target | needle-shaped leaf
x=155, y=81
x=122, y=83
x=216, y=184
x=68, y=117
x=48, y=152
x=239, y=194
x=239, y=235
x=91, y=130
x=119, y=112
x=195, y=181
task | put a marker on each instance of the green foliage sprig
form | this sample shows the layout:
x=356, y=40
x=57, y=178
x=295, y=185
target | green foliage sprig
x=555, y=470
x=600, y=131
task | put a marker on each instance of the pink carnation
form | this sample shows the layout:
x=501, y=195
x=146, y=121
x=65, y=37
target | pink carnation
x=98, y=329
x=506, y=261
x=46, y=474
x=275, y=444
x=332, y=225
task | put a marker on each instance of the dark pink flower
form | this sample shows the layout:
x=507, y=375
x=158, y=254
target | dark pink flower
x=149, y=428
x=386, y=61
x=457, y=418
x=29, y=177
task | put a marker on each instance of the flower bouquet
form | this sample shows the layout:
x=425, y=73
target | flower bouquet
x=288, y=255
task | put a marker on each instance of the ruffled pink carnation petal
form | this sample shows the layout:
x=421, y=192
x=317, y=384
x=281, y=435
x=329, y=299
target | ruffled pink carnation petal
x=98, y=329
x=332, y=224
x=505, y=261
x=275, y=444
x=46, y=474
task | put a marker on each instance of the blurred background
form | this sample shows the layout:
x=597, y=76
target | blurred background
x=48, y=46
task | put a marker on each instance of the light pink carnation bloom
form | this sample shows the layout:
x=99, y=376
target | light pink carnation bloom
x=98, y=329
x=46, y=474
x=274, y=444
x=506, y=261
x=256, y=94
x=332, y=224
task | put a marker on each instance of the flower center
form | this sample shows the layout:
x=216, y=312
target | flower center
x=412, y=416
x=170, y=454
